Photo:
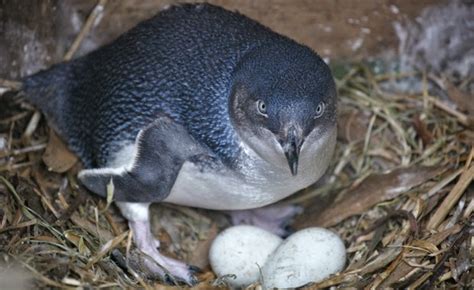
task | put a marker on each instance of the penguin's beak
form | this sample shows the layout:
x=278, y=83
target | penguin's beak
x=291, y=147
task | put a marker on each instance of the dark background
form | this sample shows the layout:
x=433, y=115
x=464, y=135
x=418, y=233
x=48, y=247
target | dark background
x=35, y=34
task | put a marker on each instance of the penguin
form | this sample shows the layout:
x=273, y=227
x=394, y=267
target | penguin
x=197, y=106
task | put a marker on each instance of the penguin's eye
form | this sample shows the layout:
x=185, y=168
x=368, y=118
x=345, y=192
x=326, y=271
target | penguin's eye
x=320, y=110
x=262, y=108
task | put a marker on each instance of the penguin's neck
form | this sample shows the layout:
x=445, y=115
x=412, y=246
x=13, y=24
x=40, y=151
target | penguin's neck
x=212, y=127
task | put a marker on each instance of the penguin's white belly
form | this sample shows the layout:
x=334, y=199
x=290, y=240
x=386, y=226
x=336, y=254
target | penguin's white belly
x=228, y=191
x=257, y=184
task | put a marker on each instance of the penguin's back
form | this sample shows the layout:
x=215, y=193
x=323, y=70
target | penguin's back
x=178, y=63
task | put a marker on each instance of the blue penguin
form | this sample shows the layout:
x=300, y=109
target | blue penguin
x=197, y=106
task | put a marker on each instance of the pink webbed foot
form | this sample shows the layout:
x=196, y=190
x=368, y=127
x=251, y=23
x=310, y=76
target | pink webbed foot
x=170, y=270
x=275, y=219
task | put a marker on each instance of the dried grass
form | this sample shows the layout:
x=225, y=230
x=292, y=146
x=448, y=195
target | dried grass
x=398, y=194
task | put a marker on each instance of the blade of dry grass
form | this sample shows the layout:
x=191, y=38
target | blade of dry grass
x=455, y=194
x=96, y=12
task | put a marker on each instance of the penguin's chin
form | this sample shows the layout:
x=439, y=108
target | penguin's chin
x=266, y=146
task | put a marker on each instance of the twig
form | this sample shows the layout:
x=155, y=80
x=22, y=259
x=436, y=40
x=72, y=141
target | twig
x=445, y=181
x=20, y=225
x=106, y=248
x=461, y=237
x=14, y=118
x=462, y=118
x=78, y=200
x=98, y=9
x=393, y=214
x=453, y=196
x=20, y=151
x=32, y=125
x=14, y=167
x=9, y=84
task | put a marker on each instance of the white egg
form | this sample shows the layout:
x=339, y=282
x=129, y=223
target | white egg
x=309, y=255
x=242, y=251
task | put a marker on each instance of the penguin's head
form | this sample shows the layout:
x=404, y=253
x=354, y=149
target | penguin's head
x=283, y=105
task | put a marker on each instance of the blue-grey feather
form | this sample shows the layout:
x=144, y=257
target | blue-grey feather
x=182, y=63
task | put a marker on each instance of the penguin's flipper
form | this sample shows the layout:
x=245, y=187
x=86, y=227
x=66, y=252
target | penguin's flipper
x=162, y=148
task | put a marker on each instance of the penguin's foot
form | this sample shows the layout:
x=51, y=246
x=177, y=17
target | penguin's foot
x=170, y=270
x=275, y=218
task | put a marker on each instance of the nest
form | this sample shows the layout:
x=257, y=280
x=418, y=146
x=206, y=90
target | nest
x=397, y=193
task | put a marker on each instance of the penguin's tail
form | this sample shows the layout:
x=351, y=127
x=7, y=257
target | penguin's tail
x=48, y=89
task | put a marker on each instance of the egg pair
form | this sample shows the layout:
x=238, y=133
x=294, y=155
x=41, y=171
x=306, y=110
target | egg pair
x=246, y=254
